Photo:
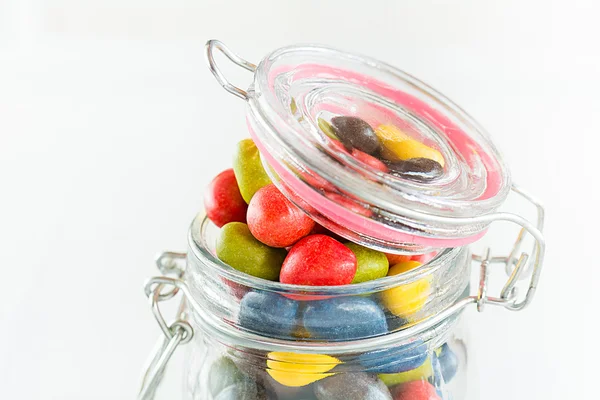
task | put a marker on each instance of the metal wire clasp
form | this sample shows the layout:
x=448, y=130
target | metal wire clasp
x=174, y=334
x=517, y=268
x=210, y=46
x=181, y=332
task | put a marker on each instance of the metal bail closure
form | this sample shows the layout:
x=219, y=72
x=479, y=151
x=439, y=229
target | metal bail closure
x=210, y=46
x=517, y=268
x=181, y=332
x=178, y=332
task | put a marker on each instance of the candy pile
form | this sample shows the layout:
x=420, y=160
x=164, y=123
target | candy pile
x=292, y=376
x=265, y=235
x=386, y=148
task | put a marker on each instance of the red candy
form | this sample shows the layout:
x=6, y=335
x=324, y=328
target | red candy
x=339, y=145
x=223, y=201
x=318, y=260
x=424, y=258
x=237, y=289
x=394, y=259
x=416, y=390
x=321, y=230
x=274, y=220
x=369, y=160
x=316, y=181
x=349, y=204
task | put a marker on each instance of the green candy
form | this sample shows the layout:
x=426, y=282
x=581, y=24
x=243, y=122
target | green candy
x=371, y=264
x=423, y=372
x=248, y=169
x=227, y=382
x=327, y=128
x=223, y=373
x=237, y=247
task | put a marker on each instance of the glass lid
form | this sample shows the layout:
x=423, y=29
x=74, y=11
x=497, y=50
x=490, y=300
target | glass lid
x=371, y=152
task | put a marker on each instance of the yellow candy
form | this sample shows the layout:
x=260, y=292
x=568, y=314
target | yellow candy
x=411, y=148
x=409, y=298
x=390, y=133
x=404, y=266
x=421, y=373
x=295, y=370
x=397, y=145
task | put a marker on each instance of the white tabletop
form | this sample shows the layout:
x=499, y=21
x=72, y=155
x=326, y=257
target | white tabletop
x=111, y=126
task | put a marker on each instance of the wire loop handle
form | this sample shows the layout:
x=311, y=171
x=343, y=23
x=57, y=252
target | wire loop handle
x=210, y=46
x=170, y=263
x=178, y=332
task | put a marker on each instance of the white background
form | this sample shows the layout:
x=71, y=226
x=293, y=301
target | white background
x=111, y=126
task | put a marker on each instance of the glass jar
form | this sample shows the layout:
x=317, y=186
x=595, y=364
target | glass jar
x=397, y=337
x=257, y=339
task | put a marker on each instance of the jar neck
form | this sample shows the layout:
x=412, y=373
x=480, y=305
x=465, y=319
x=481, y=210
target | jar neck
x=216, y=291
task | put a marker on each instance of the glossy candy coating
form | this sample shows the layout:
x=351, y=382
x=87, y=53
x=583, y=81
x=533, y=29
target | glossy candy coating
x=369, y=160
x=352, y=386
x=223, y=201
x=389, y=134
x=410, y=148
x=327, y=128
x=295, y=370
x=223, y=373
x=405, y=300
x=274, y=220
x=282, y=392
x=416, y=390
x=424, y=258
x=348, y=204
x=318, y=260
x=423, y=372
x=371, y=264
x=394, y=259
x=237, y=247
x=448, y=362
x=268, y=313
x=246, y=390
x=404, y=266
x=320, y=229
x=356, y=133
x=227, y=382
x=416, y=169
x=395, y=322
x=395, y=360
x=248, y=169
x=344, y=318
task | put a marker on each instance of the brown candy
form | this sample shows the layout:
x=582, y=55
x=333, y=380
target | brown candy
x=416, y=169
x=355, y=133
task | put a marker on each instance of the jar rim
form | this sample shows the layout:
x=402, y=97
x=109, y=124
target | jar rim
x=200, y=249
x=218, y=325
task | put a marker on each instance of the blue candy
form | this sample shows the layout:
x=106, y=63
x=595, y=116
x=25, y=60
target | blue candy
x=448, y=363
x=344, y=318
x=395, y=322
x=437, y=380
x=268, y=314
x=395, y=360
